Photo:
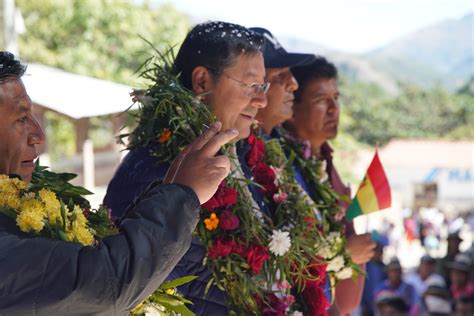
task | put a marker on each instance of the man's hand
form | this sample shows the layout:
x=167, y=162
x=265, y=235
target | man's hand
x=361, y=248
x=198, y=167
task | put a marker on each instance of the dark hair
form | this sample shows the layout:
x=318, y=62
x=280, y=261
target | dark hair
x=319, y=69
x=10, y=67
x=214, y=45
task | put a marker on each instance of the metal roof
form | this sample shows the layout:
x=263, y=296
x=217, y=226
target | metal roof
x=75, y=95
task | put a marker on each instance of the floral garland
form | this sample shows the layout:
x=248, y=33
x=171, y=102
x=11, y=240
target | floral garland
x=39, y=209
x=314, y=170
x=262, y=263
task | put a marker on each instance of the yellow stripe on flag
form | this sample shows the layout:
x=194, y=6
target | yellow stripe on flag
x=366, y=196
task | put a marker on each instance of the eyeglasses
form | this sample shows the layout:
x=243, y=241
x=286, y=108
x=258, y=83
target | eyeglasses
x=251, y=90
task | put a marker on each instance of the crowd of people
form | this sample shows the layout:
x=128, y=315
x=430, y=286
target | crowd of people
x=244, y=76
x=439, y=286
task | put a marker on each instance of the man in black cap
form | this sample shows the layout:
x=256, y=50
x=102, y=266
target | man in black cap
x=280, y=96
x=280, y=100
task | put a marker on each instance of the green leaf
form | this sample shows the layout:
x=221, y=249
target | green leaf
x=177, y=282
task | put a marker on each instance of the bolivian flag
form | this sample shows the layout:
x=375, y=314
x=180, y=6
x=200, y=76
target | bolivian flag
x=373, y=193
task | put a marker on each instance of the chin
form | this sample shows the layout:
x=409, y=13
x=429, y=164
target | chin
x=243, y=133
x=27, y=178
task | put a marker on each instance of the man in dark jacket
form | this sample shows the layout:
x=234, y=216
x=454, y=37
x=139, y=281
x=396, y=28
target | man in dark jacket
x=40, y=276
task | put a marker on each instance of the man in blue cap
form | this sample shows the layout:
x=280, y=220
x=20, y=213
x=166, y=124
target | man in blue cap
x=280, y=101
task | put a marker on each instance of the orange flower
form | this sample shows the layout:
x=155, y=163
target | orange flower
x=165, y=136
x=211, y=222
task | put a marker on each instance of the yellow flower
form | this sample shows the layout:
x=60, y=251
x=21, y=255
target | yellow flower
x=77, y=229
x=165, y=136
x=84, y=236
x=51, y=205
x=30, y=221
x=10, y=191
x=171, y=291
x=212, y=222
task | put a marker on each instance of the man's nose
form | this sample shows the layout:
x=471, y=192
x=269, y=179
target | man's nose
x=259, y=101
x=36, y=136
x=292, y=85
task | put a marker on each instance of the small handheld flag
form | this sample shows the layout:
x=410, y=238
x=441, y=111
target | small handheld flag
x=373, y=193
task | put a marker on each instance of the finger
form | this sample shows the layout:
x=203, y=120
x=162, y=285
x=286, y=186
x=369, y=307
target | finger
x=221, y=174
x=206, y=136
x=173, y=169
x=213, y=145
x=221, y=162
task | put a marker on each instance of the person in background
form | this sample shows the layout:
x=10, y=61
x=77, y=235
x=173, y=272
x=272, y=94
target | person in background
x=394, y=284
x=464, y=306
x=391, y=304
x=459, y=275
x=454, y=241
x=435, y=300
x=375, y=275
x=423, y=275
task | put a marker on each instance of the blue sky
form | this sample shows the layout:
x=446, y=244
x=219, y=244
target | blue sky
x=349, y=25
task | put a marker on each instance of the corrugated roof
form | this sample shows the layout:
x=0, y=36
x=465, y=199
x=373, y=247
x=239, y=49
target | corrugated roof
x=422, y=153
x=75, y=95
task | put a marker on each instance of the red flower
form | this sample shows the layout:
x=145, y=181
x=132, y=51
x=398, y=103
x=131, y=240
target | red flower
x=265, y=176
x=226, y=197
x=240, y=249
x=256, y=152
x=211, y=205
x=223, y=198
x=221, y=248
x=315, y=300
x=228, y=221
x=256, y=256
x=313, y=294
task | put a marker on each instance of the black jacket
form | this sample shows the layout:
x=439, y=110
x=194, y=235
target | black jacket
x=41, y=276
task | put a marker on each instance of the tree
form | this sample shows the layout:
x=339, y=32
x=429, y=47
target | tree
x=98, y=38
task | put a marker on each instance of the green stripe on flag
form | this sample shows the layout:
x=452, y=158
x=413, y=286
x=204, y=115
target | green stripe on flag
x=353, y=210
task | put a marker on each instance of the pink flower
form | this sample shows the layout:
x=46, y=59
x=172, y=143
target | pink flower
x=283, y=285
x=280, y=197
x=306, y=149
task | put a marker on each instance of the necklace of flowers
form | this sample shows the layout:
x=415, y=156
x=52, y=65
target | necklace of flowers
x=314, y=172
x=51, y=207
x=256, y=259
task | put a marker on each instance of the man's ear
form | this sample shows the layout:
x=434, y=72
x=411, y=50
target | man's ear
x=201, y=80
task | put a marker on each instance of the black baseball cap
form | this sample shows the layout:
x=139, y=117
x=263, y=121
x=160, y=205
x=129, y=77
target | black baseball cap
x=276, y=56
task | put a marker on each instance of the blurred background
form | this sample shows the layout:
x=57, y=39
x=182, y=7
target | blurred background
x=407, y=85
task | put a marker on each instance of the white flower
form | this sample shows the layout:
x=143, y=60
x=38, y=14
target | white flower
x=336, y=264
x=324, y=175
x=325, y=252
x=345, y=273
x=334, y=237
x=280, y=242
x=297, y=313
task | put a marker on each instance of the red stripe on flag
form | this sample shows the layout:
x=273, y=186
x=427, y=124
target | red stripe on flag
x=379, y=182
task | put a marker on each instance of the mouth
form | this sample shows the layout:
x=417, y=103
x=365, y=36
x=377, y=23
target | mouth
x=29, y=163
x=248, y=117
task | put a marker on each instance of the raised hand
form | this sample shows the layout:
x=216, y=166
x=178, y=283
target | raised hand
x=198, y=167
x=361, y=248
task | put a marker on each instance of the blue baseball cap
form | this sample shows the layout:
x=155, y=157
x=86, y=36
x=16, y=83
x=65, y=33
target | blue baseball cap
x=276, y=56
